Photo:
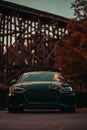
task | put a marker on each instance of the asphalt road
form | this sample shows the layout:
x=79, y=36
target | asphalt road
x=44, y=120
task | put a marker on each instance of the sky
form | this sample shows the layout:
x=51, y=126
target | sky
x=58, y=7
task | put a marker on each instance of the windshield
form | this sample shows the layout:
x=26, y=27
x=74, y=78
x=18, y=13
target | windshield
x=41, y=76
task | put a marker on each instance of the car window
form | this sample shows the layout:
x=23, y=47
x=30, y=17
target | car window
x=50, y=76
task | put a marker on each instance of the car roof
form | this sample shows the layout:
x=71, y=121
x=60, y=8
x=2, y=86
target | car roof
x=37, y=72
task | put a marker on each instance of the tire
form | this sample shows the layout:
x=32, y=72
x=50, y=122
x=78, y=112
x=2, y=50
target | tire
x=72, y=108
x=15, y=110
x=69, y=109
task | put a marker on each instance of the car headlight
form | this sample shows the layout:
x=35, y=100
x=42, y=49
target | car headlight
x=11, y=90
x=66, y=90
x=14, y=89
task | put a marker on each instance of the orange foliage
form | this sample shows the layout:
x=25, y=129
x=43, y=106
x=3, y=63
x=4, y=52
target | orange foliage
x=72, y=57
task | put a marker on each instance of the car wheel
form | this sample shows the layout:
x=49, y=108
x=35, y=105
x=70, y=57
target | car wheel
x=73, y=108
x=68, y=110
x=15, y=110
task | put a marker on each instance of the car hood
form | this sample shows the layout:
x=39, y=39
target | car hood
x=39, y=85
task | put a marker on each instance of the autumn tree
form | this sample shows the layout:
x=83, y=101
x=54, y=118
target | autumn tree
x=80, y=9
x=78, y=29
x=73, y=56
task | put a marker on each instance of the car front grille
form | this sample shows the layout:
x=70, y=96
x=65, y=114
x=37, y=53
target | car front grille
x=42, y=96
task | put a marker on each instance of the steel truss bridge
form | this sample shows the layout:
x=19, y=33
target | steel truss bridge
x=28, y=39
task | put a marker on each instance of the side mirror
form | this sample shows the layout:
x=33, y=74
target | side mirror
x=71, y=82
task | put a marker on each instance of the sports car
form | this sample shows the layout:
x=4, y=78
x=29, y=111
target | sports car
x=43, y=90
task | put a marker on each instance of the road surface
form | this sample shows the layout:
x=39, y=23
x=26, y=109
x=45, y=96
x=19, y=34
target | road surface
x=44, y=120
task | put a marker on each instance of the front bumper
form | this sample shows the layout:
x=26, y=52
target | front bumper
x=20, y=101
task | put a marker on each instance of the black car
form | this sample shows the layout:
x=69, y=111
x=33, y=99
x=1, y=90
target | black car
x=42, y=89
